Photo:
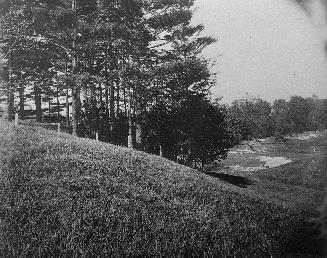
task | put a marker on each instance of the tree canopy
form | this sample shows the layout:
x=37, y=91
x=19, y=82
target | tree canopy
x=127, y=70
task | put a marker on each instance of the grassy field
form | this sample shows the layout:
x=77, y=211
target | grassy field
x=62, y=196
x=300, y=183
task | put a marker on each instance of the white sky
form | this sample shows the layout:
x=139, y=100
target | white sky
x=268, y=48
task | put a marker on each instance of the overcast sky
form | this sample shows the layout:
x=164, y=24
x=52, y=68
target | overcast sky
x=268, y=48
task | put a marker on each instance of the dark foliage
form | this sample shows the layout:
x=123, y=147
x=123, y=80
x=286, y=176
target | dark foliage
x=257, y=118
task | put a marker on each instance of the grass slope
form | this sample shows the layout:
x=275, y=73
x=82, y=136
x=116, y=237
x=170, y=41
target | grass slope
x=64, y=196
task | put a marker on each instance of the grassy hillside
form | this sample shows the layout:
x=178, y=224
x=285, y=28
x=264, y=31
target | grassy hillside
x=63, y=196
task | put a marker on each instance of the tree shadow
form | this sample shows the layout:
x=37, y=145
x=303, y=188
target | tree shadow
x=239, y=181
x=305, y=242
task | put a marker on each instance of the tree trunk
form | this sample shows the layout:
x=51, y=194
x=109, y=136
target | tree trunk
x=58, y=104
x=125, y=101
x=38, y=103
x=138, y=122
x=130, y=119
x=11, y=101
x=67, y=106
x=21, y=103
x=75, y=87
x=107, y=99
x=139, y=134
x=118, y=96
x=49, y=107
x=67, y=98
x=76, y=111
x=112, y=109
x=130, y=132
x=93, y=100
x=100, y=94
x=11, y=96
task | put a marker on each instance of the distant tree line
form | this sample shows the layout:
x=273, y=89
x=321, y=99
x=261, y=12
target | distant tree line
x=127, y=70
x=257, y=118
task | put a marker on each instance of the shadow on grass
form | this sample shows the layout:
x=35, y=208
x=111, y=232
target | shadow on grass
x=306, y=243
x=239, y=181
